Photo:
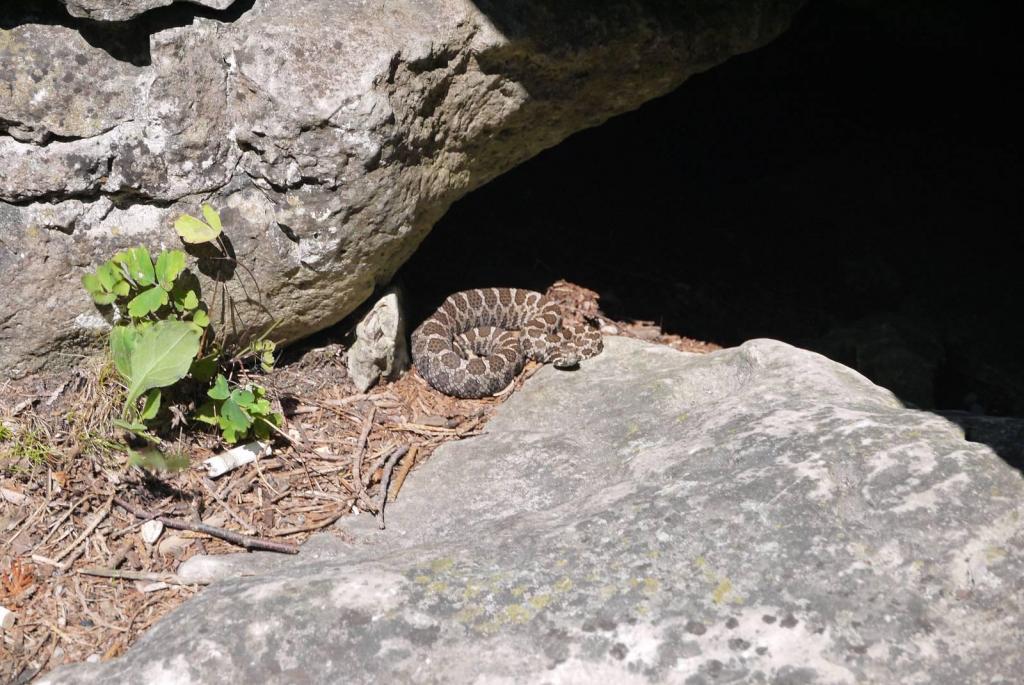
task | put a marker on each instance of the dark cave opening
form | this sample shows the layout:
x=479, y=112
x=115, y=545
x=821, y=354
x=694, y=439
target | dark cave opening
x=853, y=188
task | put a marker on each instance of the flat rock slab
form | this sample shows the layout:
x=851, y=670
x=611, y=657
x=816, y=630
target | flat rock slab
x=759, y=514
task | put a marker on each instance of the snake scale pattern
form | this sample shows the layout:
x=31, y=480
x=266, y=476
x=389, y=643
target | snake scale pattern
x=479, y=340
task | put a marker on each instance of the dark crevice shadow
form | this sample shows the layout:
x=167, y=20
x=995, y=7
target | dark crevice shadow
x=126, y=41
x=852, y=188
x=1005, y=435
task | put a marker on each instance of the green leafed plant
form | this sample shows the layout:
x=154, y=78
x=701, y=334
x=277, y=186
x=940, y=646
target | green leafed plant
x=162, y=336
x=155, y=345
x=239, y=412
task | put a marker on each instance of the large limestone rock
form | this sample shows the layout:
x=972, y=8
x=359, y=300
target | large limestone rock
x=759, y=514
x=120, y=10
x=331, y=134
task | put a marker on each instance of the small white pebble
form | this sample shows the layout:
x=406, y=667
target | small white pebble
x=151, y=531
x=235, y=457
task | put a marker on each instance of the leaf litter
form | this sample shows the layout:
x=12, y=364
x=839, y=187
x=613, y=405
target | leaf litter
x=77, y=573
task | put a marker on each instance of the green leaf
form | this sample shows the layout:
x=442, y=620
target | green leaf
x=91, y=282
x=234, y=423
x=122, y=342
x=162, y=356
x=104, y=298
x=261, y=429
x=267, y=361
x=139, y=265
x=201, y=318
x=109, y=275
x=168, y=265
x=191, y=300
x=204, y=368
x=185, y=294
x=122, y=288
x=233, y=414
x=260, y=406
x=212, y=217
x=244, y=398
x=147, y=301
x=219, y=391
x=207, y=413
x=136, y=428
x=262, y=426
x=152, y=405
x=193, y=230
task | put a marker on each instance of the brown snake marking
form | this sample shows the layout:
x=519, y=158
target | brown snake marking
x=478, y=340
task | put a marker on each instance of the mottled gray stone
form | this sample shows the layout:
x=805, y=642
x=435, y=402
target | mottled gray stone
x=120, y=10
x=759, y=514
x=331, y=134
x=381, y=349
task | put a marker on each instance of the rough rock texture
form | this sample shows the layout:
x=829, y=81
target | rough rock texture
x=120, y=10
x=381, y=348
x=758, y=514
x=331, y=134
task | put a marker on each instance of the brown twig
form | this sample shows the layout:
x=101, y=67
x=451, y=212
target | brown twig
x=357, y=456
x=208, y=484
x=385, y=480
x=56, y=525
x=246, y=541
x=124, y=574
x=407, y=465
x=97, y=519
x=315, y=526
x=379, y=462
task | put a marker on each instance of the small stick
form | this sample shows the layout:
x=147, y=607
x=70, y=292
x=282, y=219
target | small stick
x=385, y=480
x=343, y=401
x=246, y=541
x=208, y=484
x=123, y=574
x=40, y=559
x=25, y=523
x=404, y=471
x=102, y=514
x=314, y=526
x=378, y=463
x=62, y=519
x=357, y=456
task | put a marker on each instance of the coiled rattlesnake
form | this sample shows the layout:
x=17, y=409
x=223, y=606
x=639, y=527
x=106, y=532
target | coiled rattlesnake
x=478, y=340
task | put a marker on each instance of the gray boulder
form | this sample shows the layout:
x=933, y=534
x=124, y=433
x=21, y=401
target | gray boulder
x=758, y=514
x=331, y=135
x=120, y=10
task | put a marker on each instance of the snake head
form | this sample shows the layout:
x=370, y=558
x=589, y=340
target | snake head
x=566, y=359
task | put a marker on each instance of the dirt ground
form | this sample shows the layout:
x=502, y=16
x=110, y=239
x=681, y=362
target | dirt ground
x=76, y=569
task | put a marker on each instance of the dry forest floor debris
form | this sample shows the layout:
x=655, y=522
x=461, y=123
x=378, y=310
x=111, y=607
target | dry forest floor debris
x=76, y=572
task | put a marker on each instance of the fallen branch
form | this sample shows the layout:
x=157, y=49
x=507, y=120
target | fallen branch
x=315, y=526
x=246, y=541
x=385, y=480
x=404, y=471
x=357, y=456
x=169, y=578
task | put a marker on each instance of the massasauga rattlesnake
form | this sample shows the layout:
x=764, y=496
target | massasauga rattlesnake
x=477, y=342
